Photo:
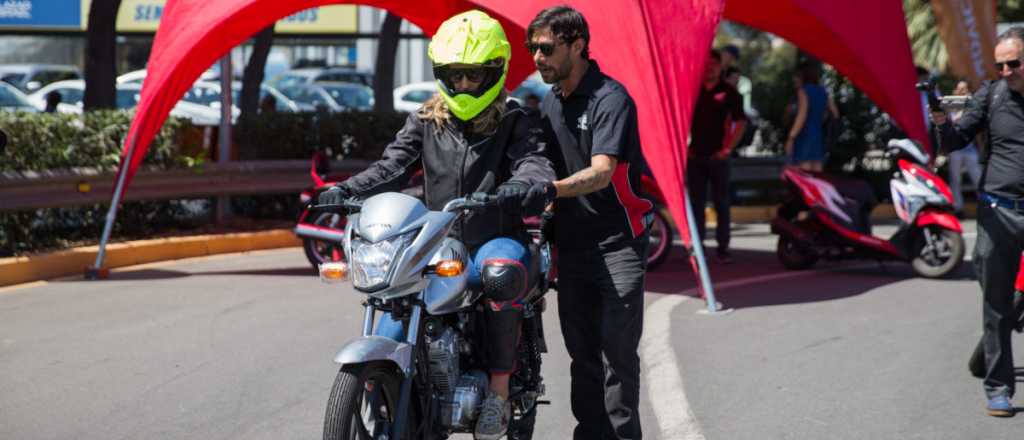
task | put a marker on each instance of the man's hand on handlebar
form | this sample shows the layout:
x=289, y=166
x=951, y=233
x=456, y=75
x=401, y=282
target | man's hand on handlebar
x=334, y=196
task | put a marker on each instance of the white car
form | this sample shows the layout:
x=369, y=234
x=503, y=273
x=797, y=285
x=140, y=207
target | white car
x=410, y=97
x=72, y=92
x=11, y=99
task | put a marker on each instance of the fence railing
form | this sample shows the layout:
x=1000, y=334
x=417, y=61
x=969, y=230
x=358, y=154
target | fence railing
x=85, y=186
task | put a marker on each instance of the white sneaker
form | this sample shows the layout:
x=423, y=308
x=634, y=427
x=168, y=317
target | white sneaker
x=495, y=413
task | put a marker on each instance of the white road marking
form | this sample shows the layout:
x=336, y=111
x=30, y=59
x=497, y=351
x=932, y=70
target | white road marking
x=663, y=375
x=664, y=381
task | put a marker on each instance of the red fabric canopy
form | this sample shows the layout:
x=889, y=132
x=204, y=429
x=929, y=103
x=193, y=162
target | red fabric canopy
x=656, y=48
x=864, y=40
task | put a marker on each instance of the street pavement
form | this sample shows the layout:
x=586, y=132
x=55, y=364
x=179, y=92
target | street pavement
x=240, y=346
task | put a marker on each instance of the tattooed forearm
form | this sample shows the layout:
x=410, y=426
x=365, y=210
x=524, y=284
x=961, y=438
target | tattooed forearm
x=585, y=181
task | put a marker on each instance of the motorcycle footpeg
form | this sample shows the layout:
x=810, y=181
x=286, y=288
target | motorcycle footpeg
x=543, y=402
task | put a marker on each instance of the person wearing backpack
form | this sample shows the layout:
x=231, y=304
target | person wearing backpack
x=998, y=107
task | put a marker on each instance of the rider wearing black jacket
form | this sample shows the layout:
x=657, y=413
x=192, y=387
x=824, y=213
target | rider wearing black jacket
x=468, y=140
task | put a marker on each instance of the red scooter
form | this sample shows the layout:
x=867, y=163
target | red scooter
x=829, y=217
x=322, y=232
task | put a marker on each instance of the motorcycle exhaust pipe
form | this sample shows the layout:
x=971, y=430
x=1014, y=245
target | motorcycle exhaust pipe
x=319, y=233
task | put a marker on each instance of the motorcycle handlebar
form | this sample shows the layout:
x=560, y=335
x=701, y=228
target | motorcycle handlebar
x=477, y=200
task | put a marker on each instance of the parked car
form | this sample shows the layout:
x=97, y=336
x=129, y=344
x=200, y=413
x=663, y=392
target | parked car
x=128, y=94
x=531, y=86
x=332, y=96
x=30, y=77
x=309, y=75
x=11, y=99
x=137, y=76
x=208, y=93
x=72, y=92
x=410, y=97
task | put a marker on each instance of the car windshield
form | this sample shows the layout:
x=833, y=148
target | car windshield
x=418, y=96
x=202, y=95
x=353, y=97
x=10, y=98
x=12, y=78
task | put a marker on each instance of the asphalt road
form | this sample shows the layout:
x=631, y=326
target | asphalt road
x=240, y=346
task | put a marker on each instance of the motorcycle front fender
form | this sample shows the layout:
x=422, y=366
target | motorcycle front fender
x=376, y=348
x=939, y=218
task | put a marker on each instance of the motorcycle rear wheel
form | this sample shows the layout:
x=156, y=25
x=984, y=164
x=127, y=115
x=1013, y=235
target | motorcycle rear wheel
x=320, y=251
x=660, y=241
x=793, y=256
x=942, y=257
x=363, y=403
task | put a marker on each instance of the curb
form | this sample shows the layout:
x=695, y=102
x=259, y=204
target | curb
x=17, y=270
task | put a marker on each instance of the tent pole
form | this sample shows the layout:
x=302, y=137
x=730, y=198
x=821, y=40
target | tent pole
x=97, y=271
x=223, y=208
x=702, y=265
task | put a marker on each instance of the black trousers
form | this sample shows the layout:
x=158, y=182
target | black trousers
x=601, y=309
x=997, y=256
x=701, y=172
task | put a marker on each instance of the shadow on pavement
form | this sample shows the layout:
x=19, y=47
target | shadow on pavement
x=161, y=274
x=765, y=282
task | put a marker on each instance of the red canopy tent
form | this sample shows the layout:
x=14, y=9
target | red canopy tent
x=656, y=48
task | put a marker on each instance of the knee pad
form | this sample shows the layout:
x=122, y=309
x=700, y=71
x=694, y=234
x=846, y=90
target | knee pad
x=504, y=280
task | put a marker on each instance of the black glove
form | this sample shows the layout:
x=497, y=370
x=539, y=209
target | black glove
x=538, y=197
x=511, y=196
x=334, y=196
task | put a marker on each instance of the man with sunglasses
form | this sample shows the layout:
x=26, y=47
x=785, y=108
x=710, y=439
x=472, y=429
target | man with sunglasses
x=997, y=106
x=467, y=140
x=600, y=224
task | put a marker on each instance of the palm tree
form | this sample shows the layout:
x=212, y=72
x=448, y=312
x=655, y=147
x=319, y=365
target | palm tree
x=929, y=50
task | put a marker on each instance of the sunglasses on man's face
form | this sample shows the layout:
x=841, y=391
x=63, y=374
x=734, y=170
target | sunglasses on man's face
x=1012, y=64
x=545, y=48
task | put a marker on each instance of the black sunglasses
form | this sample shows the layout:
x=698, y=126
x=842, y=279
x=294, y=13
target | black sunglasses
x=1013, y=64
x=545, y=48
x=472, y=74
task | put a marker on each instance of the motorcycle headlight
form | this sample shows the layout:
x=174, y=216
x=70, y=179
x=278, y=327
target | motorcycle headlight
x=371, y=262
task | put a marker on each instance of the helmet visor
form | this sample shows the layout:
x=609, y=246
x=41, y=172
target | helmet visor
x=486, y=76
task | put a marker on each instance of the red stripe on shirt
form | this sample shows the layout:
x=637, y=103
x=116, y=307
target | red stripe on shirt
x=634, y=205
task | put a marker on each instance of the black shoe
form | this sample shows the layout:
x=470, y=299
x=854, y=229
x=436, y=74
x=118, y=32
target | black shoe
x=724, y=257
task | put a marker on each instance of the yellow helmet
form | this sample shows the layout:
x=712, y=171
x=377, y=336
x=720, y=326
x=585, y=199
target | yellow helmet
x=472, y=38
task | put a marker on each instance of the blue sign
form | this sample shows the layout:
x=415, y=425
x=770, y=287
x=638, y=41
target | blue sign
x=31, y=14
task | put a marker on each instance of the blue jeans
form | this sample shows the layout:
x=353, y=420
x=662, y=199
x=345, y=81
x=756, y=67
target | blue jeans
x=498, y=249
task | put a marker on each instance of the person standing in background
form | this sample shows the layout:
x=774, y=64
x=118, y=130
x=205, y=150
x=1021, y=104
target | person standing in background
x=718, y=123
x=805, y=144
x=965, y=159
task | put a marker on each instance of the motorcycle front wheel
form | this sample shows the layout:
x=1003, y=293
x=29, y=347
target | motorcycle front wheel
x=363, y=403
x=320, y=251
x=938, y=255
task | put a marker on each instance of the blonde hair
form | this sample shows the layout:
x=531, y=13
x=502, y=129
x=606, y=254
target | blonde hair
x=436, y=110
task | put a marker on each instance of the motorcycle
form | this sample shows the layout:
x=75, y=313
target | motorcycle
x=977, y=362
x=427, y=380
x=829, y=217
x=322, y=232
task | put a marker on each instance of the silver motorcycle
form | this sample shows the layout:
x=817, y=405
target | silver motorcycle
x=428, y=381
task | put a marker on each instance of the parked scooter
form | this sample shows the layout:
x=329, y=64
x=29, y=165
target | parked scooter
x=977, y=363
x=829, y=217
x=427, y=380
x=322, y=232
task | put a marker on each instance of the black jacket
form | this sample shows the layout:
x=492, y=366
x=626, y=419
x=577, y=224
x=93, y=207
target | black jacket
x=1001, y=111
x=456, y=163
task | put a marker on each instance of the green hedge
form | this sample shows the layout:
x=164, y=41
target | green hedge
x=55, y=141
x=44, y=141
x=353, y=135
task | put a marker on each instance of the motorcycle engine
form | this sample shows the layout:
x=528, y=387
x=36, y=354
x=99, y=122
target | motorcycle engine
x=444, y=361
x=461, y=393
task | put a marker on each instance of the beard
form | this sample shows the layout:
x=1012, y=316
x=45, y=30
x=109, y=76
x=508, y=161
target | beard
x=553, y=74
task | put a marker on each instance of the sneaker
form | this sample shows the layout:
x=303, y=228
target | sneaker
x=724, y=257
x=495, y=413
x=999, y=406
